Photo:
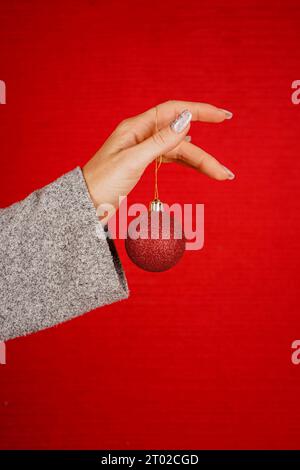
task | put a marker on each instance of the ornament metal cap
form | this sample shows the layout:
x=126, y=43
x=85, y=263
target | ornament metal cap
x=156, y=206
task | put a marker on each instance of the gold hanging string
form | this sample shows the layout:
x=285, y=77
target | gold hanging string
x=158, y=161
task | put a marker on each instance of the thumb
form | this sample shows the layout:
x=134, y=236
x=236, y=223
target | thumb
x=162, y=141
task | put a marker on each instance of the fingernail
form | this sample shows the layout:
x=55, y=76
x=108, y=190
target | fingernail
x=188, y=138
x=230, y=175
x=181, y=122
x=228, y=114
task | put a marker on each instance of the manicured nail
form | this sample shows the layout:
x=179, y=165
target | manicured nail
x=181, y=122
x=188, y=138
x=230, y=175
x=227, y=113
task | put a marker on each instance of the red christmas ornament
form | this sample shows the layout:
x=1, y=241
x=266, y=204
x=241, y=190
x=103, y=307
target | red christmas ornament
x=158, y=243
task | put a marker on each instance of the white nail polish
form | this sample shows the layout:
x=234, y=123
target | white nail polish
x=181, y=122
x=228, y=114
x=230, y=175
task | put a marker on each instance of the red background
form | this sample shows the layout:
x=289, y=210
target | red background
x=200, y=356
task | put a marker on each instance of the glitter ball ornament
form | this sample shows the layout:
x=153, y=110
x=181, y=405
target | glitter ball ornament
x=157, y=242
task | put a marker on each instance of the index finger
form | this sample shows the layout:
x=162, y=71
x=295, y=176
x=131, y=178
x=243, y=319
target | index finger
x=203, y=112
x=144, y=123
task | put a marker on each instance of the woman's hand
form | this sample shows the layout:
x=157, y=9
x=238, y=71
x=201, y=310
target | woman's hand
x=118, y=165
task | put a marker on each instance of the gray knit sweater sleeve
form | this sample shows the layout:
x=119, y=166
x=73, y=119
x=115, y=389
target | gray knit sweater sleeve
x=56, y=262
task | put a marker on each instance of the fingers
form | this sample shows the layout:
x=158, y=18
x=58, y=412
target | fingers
x=203, y=162
x=167, y=111
x=137, y=128
x=160, y=142
x=203, y=112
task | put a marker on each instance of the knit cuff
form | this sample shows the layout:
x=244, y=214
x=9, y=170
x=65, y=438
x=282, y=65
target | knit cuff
x=59, y=264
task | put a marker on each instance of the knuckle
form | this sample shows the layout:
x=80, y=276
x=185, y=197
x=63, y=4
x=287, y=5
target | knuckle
x=171, y=102
x=124, y=125
x=159, y=139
